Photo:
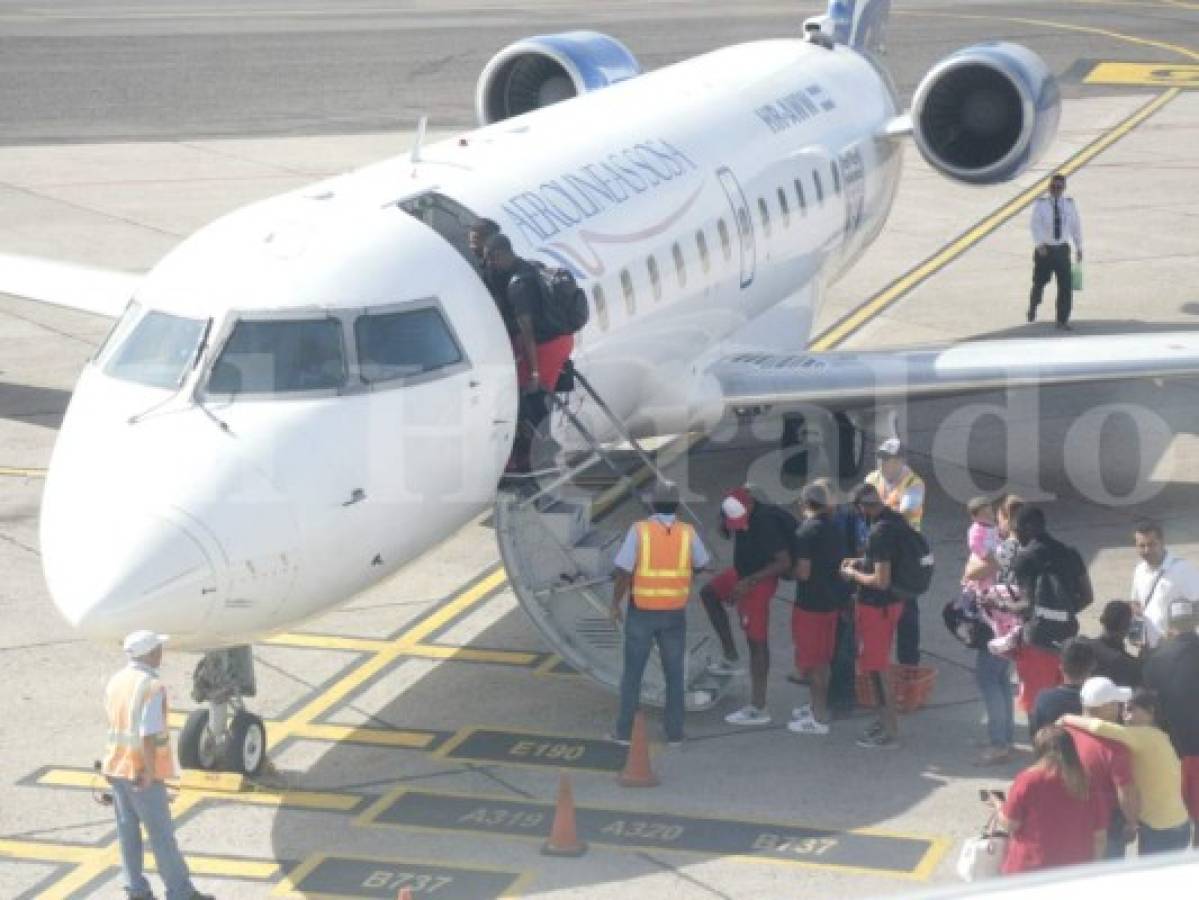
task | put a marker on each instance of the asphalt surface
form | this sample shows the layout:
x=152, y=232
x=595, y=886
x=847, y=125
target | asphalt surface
x=77, y=70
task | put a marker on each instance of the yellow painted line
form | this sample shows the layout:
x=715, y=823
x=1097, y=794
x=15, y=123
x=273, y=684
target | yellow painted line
x=330, y=642
x=408, y=648
x=455, y=607
x=947, y=254
x=231, y=867
x=380, y=737
x=470, y=654
x=290, y=884
x=1154, y=74
x=254, y=795
x=664, y=458
x=16, y=472
x=35, y=851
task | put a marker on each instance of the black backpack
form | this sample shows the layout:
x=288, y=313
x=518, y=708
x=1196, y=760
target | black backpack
x=1061, y=585
x=564, y=308
x=912, y=572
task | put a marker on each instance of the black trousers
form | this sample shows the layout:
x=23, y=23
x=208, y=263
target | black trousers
x=907, y=634
x=1055, y=263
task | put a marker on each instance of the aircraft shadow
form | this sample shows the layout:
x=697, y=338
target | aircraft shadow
x=40, y=406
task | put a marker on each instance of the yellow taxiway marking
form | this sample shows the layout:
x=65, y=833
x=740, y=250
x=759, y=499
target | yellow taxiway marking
x=380, y=737
x=17, y=472
x=1177, y=75
x=518, y=658
x=254, y=795
x=199, y=863
x=842, y=329
x=290, y=885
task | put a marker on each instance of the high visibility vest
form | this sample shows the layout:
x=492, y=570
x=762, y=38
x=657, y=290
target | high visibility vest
x=662, y=579
x=893, y=497
x=125, y=698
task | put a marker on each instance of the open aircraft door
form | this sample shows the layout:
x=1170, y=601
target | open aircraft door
x=745, y=223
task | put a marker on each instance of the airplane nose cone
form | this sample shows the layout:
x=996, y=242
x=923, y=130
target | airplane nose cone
x=122, y=570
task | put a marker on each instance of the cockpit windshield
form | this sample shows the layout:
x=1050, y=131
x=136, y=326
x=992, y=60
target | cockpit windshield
x=279, y=356
x=155, y=348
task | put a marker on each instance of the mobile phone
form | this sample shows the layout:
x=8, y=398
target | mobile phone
x=1136, y=630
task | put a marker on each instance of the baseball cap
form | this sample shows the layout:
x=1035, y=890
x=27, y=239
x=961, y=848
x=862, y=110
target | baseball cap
x=889, y=448
x=139, y=643
x=736, y=509
x=1102, y=691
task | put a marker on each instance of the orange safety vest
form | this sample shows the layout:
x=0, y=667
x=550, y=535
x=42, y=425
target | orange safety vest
x=662, y=579
x=894, y=497
x=125, y=698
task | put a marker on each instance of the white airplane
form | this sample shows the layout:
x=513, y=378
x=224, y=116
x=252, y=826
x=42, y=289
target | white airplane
x=313, y=390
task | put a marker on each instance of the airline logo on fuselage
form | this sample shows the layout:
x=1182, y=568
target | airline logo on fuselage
x=795, y=108
x=562, y=202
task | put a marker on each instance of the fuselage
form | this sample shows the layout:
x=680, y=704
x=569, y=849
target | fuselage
x=315, y=389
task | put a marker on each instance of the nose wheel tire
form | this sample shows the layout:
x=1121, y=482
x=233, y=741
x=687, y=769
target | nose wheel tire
x=198, y=747
x=245, y=750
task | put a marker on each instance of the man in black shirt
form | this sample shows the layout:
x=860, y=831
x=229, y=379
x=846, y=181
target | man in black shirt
x=878, y=607
x=820, y=595
x=761, y=553
x=1111, y=652
x=1078, y=664
x=1173, y=671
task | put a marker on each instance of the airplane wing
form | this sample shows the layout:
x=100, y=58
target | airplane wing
x=848, y=379
x=100, y=291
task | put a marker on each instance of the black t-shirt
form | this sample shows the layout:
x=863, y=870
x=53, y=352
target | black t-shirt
x=1034, y=563
x=1114, y=661
x=526, y=296
x=754, y=549
x=1173, y=671
x=821, y=542
x=1054, y=703
x=883, y=544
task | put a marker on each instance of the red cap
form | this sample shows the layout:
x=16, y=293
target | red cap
x=736, y=509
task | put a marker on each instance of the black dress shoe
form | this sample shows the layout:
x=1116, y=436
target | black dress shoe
x=1032, y=313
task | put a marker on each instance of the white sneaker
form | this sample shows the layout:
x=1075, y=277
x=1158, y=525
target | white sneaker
x=748, y=715
x=724, y=666
x=807, y=726
x=803, y=712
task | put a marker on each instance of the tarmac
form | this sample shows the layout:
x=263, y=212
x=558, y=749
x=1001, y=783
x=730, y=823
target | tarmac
x=418, y=733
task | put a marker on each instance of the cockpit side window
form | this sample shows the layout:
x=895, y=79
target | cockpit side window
x=157, y=349
x=404, y=344
x=279, y=357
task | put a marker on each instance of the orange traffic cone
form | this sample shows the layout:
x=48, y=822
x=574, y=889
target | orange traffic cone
x=404, y=894
x=564, y=840
x=637, y=771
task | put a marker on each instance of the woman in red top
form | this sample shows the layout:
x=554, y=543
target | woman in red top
x=1051, y=815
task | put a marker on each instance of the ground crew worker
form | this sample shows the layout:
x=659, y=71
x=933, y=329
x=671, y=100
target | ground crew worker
x=656, y=561
x=136, y=761
x=901, y=490
x=1055, y=223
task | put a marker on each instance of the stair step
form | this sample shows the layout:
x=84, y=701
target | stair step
x=595, y=552
x=566, y=521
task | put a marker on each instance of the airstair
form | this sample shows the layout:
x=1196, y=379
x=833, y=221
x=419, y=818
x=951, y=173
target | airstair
x=558, y=535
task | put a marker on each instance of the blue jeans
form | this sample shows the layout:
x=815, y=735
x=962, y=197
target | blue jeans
x=993, y=674
x=148, y=807
x=1162, y=840
x=642, y=628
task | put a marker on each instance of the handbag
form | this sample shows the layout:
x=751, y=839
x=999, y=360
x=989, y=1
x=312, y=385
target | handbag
x=982, y=856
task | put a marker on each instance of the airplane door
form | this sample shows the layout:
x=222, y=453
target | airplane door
x=745, y=223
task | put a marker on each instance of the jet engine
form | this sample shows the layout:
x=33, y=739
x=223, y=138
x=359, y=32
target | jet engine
x=539, y=71
x=986, y=113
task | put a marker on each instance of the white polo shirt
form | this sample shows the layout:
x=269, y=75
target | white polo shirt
x=1179, y=581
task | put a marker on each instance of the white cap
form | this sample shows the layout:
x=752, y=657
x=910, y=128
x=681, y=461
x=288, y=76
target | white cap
x=139, y=643
x=1098, y=692
x=890, y=447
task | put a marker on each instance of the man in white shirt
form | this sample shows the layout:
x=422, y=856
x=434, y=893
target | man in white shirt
x=1055, y=223
x=1159, y=579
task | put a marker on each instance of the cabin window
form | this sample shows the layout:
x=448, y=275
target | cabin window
x=726, y=244
x=404, y=344
x=784, y=208
x=680, y=265
x=157, y=349
x=655, y=277
x=630, y=296
x=277, y=356
x=601, y=305
x=800, y=201
x=701, y=244
x=764, y=215
x=819, y=185
x=836, y=177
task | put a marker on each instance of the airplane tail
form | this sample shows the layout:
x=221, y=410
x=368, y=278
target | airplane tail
x=860, y=24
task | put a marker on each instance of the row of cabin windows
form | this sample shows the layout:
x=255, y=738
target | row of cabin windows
x=628, y=289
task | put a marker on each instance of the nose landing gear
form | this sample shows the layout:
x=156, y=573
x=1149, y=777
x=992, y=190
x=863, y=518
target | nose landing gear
x=211, y=739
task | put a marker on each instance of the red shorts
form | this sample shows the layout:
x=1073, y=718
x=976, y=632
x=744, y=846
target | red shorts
x=551, y=357
x=875, y=627
x=1190, y=785
x=815, y=636
x=753, y=607
x=1038, y=671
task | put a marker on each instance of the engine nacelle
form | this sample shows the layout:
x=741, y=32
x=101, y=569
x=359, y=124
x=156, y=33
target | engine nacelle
x=539, y=71
x=986, y=113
